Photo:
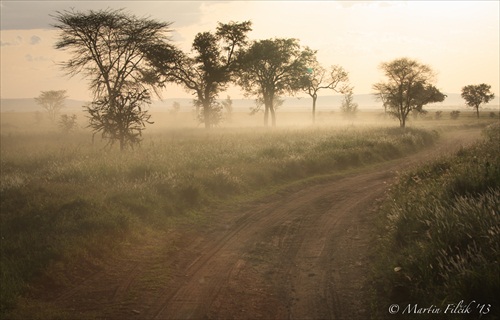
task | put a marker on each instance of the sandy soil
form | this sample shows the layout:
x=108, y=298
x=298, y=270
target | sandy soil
x=302, y=253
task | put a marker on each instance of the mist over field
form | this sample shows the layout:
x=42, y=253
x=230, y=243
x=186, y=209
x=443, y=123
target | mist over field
x=74, y=207
x=326, y=103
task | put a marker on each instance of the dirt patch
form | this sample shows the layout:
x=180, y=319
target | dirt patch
x=303, y=253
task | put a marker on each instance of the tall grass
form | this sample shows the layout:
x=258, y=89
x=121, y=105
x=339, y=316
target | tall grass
x=441, y=231
x=65, y=202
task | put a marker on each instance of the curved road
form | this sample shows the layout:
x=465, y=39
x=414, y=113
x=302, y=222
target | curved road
x=300, y=254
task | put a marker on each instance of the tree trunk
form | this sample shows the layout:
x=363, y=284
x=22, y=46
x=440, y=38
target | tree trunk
x=314, y=108
x=477, y=111
x=273, y=116
x=206, y=115
x=266, y=115
x=122, y=142
x=402, y=122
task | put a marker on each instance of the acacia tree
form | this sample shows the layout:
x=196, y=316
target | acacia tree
x=406, y=88
x=109, y=48
x=319, y=78
x=475, y=95
x=52, y=101
x=209, y=71
x=272, y=67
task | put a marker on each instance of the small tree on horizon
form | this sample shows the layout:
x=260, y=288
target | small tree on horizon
x=348, y=106
x=454, y=114
x=227, y=104
x=52, y=101
x=67, y=123
x=176, y=107
x=476, y=95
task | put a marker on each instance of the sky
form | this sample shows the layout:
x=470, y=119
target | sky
x=459, y=40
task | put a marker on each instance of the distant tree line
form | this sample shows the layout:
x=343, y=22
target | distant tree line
x=128, y=59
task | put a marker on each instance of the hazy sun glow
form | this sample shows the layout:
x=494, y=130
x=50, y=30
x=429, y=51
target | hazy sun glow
x=458, y=39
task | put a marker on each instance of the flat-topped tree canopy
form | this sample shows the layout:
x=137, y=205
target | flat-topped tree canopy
x=110, y=49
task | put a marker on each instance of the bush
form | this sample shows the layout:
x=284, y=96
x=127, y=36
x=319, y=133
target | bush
x=438, y=115
x=67, y=124
x=454, y=114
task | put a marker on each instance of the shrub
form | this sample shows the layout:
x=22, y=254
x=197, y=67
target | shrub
x=67, y=124
x=454, y=114
x=438, y=115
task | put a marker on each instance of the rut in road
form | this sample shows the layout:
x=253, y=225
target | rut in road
x=298, y=254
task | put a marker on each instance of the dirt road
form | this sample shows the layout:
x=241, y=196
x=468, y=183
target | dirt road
x=302, y=253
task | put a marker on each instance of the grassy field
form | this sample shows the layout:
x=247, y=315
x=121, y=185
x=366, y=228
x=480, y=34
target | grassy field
x=441, y=233
x=66, y=203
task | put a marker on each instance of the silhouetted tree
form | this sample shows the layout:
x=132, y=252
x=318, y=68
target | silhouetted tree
x=454, y=114
x=52, y=101
x=227, y=104
x=319, y=78
x=67, y=123
x=348, y=106
x=124, y=122
x=209, y=71
x=425, y=94
x=109, y=47
x=475, y=95
x=174, y=110
x=407, y=87
x=272, y=68
x=259, y=103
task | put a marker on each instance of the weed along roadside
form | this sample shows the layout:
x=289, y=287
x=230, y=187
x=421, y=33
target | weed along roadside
x=440, y=239
x=69, y=207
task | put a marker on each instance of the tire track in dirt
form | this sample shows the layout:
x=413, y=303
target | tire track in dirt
x=298, y=254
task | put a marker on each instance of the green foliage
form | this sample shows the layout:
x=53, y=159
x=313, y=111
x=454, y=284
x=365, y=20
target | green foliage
x=65, y=202
x=441, y=230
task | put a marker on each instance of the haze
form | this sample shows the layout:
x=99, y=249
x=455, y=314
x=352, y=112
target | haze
x=458, y=39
